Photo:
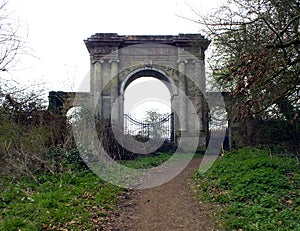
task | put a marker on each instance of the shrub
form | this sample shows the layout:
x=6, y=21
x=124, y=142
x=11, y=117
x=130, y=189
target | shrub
x=29, y=136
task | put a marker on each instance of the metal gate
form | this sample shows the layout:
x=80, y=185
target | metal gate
x=158, y=129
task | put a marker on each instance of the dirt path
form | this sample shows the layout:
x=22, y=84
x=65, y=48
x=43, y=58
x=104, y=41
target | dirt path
x=166, y=207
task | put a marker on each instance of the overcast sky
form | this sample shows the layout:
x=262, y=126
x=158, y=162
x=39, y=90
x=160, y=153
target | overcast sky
x=56, y=29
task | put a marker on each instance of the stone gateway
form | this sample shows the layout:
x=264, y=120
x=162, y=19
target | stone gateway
x=117, y=60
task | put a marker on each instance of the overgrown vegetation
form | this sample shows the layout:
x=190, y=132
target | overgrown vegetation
x=44, y=183
x=255, y=58
x=74, y=200
x=255, y=189
x=256, y=55
x=32, y=140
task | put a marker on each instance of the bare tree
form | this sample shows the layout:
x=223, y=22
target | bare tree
x=10, y=40
x=256, y=55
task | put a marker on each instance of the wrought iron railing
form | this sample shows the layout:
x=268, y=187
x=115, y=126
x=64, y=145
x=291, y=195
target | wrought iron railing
x=163, y=128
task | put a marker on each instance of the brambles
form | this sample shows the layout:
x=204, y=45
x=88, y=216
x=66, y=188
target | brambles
x=28, y=134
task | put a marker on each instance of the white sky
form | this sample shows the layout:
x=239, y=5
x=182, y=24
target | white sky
x=146, y=94
x=55, y=31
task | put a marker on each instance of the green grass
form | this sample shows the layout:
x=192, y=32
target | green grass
x=147, y=161
x=74, y=200
x=253, y=190
x=150, y=161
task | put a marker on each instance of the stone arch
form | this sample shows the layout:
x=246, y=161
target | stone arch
x=145, y=72
x=73, y=113
x=154, y=72
x=116, y=60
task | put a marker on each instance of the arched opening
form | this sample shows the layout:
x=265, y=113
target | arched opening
x=144, y=95
x=73, y=114
x=147, y=105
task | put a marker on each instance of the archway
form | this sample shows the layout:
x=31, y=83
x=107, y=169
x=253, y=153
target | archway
x=147, y=105
x=177, y=61
x=73, y=114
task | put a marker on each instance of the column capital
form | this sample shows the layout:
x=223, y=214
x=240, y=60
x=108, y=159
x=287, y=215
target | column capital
x=182, y=60
x=113, y=60
x=98, y=61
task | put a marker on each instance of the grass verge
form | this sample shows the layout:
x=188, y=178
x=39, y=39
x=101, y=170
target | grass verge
x=70, y=201
x=253, y=190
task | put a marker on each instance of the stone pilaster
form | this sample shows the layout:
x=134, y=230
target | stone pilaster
x=114, y=87
x=96, y=83
x=182, y=90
